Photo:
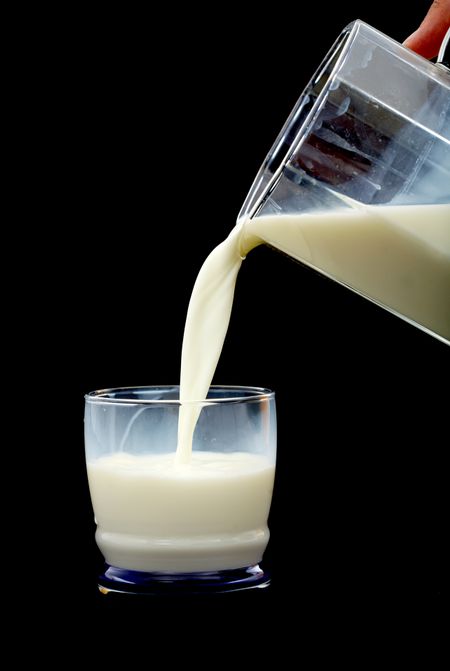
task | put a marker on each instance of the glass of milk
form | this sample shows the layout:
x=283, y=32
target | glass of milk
x=193, y=524
x=357, y=184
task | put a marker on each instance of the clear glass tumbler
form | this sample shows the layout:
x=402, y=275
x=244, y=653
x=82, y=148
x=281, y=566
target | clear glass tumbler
x=164, y=526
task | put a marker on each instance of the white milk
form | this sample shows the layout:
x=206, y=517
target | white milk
x=153, y=515
x=204, y=332
x=396, y=255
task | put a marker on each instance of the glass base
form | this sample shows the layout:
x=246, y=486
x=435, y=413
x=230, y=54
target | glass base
x=119, y=580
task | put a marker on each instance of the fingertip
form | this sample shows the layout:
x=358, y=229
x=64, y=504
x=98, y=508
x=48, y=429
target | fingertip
x=422, y=43
x=426, y=40
x=410, y=40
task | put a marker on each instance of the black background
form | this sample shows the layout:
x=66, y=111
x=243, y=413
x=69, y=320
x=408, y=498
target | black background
x=154, y=147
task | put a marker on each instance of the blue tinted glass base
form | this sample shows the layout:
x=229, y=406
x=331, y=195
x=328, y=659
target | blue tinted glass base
x=138, y=582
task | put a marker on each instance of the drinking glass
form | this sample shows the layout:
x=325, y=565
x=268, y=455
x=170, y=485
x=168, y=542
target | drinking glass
x=165, y=526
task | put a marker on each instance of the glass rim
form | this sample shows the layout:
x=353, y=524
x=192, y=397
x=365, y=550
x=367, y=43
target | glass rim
x=255, y=394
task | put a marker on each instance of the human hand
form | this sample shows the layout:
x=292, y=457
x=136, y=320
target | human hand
x=427, y=39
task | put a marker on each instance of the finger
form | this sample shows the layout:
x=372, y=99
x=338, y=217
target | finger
x=427, y=39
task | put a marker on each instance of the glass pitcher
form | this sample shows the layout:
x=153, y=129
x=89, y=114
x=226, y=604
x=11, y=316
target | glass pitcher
x=357, y=184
